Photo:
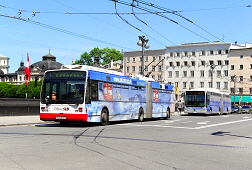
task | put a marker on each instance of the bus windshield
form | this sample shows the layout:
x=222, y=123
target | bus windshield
x=68, y=89
x=195, y=100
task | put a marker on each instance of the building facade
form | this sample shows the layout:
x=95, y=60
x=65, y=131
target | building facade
x=198, y=65
x=4, y=64
x=241, y=73
x=153, y=63
x=37, y=70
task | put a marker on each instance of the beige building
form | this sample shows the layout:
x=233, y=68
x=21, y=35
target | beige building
x=241, y=73
x=153, y=63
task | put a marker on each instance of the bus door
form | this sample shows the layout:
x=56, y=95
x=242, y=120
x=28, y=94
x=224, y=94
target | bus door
x=149, y=105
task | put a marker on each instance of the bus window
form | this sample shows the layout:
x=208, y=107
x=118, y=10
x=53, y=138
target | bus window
x=94, y=90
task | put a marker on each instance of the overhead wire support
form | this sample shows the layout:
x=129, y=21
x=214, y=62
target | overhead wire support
x=63, y=31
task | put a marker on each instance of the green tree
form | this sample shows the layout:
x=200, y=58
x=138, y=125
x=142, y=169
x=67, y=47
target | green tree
x=105, y=55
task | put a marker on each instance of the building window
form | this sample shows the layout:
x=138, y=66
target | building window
x=250, y=78
x=226, y=62
x=219, y=52
x=169, y=74
x=140, y=69
x=171, y=64
x=133, y=59
x=250, y=66
x=171, y=54
x=241, y=56
x=153, y=58
x=218, y=85
x=202, y=73
x=153, y=68
x=128, y=59
x=185, y=73
x=193, y=53
x=178, y=63
x=241, y=78
x=203, y=63
x=250, y=90
x=193, y=63
x=192, y=73
x=211, y=62
x=140, y=59
x=241, y=90
x=241, y=67
x=225, y=85
x=127, y=69
x=185, y=63
x=177, y=73
x=159, y=68
x=203, y=52
x=218, y=73
x=160, y=58
x=210, y=84
x=226, y=51
x=219, y=62
x=232, y=90
x=201, y=84
x=191, y=85
x=184, y=85
x=186, y=53
x=232, y=67
x=226, y=73
x=146, y=59
x=211, y=52
x=178, y=54
x=133, y=68
x=159, y=77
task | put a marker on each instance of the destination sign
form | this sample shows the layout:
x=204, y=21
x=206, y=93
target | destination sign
x=66, y=74
x=195, y=92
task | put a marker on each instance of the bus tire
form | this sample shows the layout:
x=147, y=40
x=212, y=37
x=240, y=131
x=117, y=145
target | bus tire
x=104, y=117
x=168, y=114
x=211, y=112
x=140, y=115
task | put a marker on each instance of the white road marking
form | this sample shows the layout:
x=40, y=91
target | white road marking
x=193, y=128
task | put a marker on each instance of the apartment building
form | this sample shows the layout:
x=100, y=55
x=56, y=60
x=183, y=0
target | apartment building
x=198, y=65
x=153, y=63
x=241, y=73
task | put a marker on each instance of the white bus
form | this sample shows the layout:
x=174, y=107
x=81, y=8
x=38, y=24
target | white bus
x=89, y=94
x=207, y=101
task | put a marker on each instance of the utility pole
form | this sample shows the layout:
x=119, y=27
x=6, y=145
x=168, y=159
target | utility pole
x=234, y=87
x=144, y=44
x=212, y=68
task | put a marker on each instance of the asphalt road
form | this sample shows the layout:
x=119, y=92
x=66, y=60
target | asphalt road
x=183, y=142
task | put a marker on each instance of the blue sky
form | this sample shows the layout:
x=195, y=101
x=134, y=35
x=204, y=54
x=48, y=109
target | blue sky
x=70, y=35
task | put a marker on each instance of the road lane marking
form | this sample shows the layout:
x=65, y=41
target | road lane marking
x=220, y=124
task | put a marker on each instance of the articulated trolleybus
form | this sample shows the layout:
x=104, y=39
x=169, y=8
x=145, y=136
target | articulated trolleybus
x=90, y=94
x=207, y=101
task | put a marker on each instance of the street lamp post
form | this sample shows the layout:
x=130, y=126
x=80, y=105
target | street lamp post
x=143, y=42
x=212, y=68
x=234, y=78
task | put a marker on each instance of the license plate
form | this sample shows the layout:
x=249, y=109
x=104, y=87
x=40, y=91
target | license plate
x=60, y=117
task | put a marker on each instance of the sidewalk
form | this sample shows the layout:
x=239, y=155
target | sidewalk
x=29, y=120
x=19, y=120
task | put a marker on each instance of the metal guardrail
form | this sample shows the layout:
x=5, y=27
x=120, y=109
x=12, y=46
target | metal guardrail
x=19, y=107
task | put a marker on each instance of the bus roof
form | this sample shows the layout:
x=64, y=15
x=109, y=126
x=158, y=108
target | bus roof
x=96, y=73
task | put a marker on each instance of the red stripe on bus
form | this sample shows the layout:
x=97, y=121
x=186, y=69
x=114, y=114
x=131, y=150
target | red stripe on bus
x=63, y=117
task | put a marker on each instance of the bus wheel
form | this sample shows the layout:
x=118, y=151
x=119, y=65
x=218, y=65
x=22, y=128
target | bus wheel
x=104, y=117
x=141, y=115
